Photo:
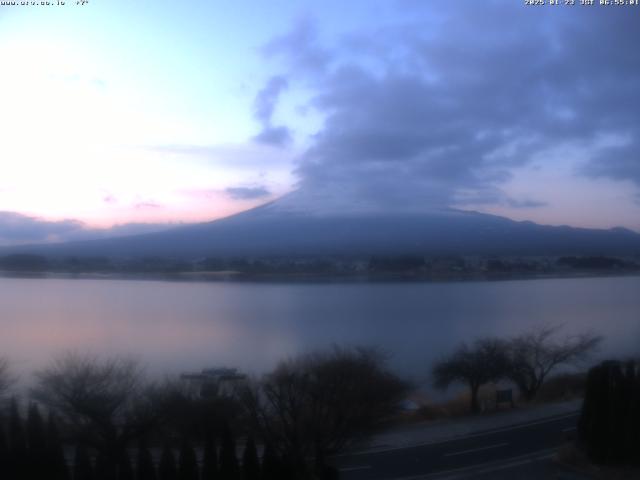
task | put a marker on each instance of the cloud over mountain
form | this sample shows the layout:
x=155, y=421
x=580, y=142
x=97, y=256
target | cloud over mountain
x=442, y=108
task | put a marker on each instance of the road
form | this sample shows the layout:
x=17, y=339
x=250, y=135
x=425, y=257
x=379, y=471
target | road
x=531, y=443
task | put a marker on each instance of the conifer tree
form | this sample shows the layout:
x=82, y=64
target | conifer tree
x=125, y=470
x=82, y=467
x=167, y=469
x=18, y=460
x=229, y=469
x=610, y=422
x=209, y=458
x=270, y=464
x=55, y=453
x=145, y=466
x=4, y=452
x=37, y=443
x=188, y=463
x=105, y=469
x=250, y=463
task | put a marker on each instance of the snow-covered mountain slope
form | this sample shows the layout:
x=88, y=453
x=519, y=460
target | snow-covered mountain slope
x=285, y=228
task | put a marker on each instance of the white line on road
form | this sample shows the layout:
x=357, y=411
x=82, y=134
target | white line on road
x=479, y=449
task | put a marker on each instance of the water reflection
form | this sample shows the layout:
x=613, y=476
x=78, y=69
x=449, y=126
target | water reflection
x=174, y=326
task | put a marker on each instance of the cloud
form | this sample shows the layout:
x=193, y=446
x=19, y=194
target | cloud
x=425, y=118
x=19, y=229
x=126, y=229
x=232, y=157
x=619, y=162
x=247, y=193
x=275, y=136
x=267, y=98
x=264, y=106
x=146, y=205
x=302, y=53
x=300, y=48
x=525, y=203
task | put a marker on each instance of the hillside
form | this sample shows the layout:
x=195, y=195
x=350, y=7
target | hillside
x=273, y=230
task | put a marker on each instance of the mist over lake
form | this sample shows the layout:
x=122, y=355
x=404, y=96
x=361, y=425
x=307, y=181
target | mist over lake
x=178, y=326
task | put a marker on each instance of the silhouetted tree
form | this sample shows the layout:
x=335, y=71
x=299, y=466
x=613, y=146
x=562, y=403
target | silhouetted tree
x=125, y=471
x=106, y=467
x=187, y=462
x=35, y=431
x=145, y=466
x=609, y=425
x=82, y=467
x=18, y=443
x=55, y=452
x=37, y=443
x=192, y=414
x=5, y=377
x=329, y=472
x=229, y=469
x=534, y=354
x=317, y=404
x=271, y=464
x=103, y=402
x=5, y=467
x=250, y=463
x=209, y=458
x=167, y=469
x=486, y=360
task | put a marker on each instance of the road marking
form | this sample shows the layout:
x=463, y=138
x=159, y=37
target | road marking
x=487, y=467
x=471, y=450
x=351, y=469
x=374, y=450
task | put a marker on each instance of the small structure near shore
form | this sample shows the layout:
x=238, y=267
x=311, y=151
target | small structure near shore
x=209, y=382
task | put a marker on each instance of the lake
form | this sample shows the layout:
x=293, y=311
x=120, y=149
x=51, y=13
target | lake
x=177, y=326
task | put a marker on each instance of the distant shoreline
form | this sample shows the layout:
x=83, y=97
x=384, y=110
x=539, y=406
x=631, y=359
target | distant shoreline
x=303, y=278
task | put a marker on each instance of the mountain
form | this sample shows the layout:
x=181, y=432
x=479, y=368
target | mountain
x=280, y=229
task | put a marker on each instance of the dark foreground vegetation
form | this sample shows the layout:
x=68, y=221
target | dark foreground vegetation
x=609, y=427
x=100, y=419
x=106, y=422
x=607, y=444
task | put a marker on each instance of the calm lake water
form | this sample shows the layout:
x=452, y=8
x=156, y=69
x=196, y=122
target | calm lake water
x=177, y=326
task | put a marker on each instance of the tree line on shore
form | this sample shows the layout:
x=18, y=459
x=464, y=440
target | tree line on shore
x=115, y=425
x=317, y=265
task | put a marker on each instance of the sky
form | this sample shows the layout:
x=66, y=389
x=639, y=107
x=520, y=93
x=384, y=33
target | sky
x=121, y=117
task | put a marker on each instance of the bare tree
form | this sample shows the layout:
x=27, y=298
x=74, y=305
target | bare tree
x=486, y=360
x=317, y=404
x=534, y=354
x=102, y=401
x=5, y=377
